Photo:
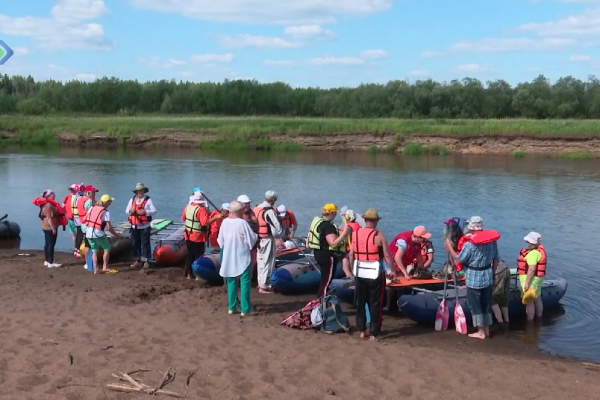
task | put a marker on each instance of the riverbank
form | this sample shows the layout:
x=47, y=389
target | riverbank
x=565, y=138
x=130, y=321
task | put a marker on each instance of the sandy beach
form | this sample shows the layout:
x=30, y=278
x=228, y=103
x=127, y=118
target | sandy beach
x=65, y=332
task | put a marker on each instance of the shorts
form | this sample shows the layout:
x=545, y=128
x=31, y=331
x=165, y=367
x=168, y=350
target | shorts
x=501, y=291
x=72, y=227
x=536, y=284
x=99, y=243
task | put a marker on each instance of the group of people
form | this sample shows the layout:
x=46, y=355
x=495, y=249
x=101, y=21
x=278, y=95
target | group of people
x=244, y=235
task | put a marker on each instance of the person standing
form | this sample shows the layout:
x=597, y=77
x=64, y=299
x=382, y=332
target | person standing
x=195, y=217
x=77, y=220
x=250, y=217
x=369, y=248
x=83, y=206
x=269, y=229
x=531, y=267
x=97, y=223
x=215, y=219
x=480, y=260
x=67, y=206
x=326, y=241
x=501, y=295
x=52, y=216
x=236, y=239
x=288, y=221
x=140, y=210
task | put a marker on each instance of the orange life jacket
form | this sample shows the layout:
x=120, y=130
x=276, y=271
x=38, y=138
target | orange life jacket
x=264, y=228
x=94, y=218
x=355, y=227
x=67, y=206
x=81, y=207
x=363, y=243
x=423, y=254
x=42, y=201
x=479, y=237
x=522, y=266
x=139, y=219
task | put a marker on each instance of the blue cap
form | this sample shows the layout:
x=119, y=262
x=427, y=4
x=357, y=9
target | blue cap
x=196, y=189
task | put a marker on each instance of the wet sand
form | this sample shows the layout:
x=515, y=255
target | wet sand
x=130, y=321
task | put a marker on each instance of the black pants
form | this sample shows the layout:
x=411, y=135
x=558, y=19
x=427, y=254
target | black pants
x=140, y=239
x=327, y=263
x=49, y=243
x=195, y=250
x=370, y=291
x=78, y=237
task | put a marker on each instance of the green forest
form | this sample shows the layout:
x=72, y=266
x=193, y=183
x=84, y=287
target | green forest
x=468, y=98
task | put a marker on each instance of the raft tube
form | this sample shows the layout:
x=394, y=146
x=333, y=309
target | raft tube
x=299, y=276
x=9, y=230
x=343, y=289
x=208, y=266
x=422, y=307
x=172, y=249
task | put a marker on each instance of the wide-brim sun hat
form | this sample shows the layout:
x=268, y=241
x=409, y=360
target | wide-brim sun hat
x=142, y=187
x=371, y=215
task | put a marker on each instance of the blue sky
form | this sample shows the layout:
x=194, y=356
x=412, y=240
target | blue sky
x=326, y=43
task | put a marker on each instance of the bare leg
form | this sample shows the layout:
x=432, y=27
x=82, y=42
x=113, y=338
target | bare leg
x=346, y=267
x=95, y=261
x=539, y=307
x=86, y=251
x=106, y=258
x=486, y=331
x=530, y=309
x=497, y=313
x=505, y=314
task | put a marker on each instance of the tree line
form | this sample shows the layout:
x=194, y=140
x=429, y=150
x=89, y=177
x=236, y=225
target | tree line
x=568, y=97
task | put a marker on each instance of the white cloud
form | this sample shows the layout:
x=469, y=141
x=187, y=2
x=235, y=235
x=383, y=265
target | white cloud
x=580, y=58
x=584, y=24
x=431, y=54
x=85, y=77
x=21, y=51
x=267, y=42
x=280, y=63
x=205, y=59
x=212, y=58
x=309, y=32
x=472, y=68
x=174, y=63
x=65, y=29
x=279, y=12
x=374, y=54
x=336, y=61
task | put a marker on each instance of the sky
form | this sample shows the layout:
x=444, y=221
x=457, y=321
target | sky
x=324, y=43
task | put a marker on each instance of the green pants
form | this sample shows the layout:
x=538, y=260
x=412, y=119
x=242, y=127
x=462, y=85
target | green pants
x=232, y=292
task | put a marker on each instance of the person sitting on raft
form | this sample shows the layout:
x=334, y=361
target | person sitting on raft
x=369, y=248
x=327, y=243
x=479, y=257
x=215, y=219
x=531, y=267
x=405, y=248
x=97, y=222
x=195, y=217
x=52, y=216
x=83, y=207
x=350, y=217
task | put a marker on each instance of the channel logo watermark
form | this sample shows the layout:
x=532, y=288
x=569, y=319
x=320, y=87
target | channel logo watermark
x=5, y=52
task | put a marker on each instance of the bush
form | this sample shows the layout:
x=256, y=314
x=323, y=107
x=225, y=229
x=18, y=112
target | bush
x=33, y=106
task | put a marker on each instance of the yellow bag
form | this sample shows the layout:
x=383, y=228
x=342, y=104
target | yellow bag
x=529, y=296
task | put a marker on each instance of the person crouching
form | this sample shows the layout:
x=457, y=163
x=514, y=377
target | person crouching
x=195, y=217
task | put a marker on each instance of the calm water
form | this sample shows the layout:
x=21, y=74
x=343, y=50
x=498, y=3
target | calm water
x=554, y=197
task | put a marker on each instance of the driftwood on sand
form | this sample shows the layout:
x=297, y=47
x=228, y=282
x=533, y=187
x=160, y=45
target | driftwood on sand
x=137, y=387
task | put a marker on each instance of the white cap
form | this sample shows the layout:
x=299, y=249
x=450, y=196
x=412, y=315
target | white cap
x=198, y=197
x=282, y=209
x=270, y=194
x=533, y=238
x=225, y=206
x=243, y=199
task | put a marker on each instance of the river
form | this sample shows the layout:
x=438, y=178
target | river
x=557, y=198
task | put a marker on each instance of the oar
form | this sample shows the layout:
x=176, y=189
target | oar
x=211, y=203
x=304, y=254
x=3, y=218
x=442, y=315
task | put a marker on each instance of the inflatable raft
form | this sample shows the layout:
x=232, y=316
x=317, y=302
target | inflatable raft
x=208, y=266
x=299, y=276
x=171, y=249
x=422, y=307
x=9, y=229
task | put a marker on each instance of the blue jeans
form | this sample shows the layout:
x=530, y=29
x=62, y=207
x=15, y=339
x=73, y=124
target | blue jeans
x=140, y=239
x=480, y=303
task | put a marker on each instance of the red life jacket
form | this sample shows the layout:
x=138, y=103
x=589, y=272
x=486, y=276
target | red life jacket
x=42, y=201
x=264, y=228
x=522, y=266
x=477, y=238
x=81, y=207
x=139, y=219
x=67, y=206
x=410, y=253
x=363, y=243
x=94, y=218
x=355, y=227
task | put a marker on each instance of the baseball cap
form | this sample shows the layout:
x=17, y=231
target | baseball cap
x=282, y=210
x=74, y=187
x=420, y=231
x=243, y=199
x=90, y=188
x=225, y=206
x=533, y=238
x=330, y=208
x=106, y=198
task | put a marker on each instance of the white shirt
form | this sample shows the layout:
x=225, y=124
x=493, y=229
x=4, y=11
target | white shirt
x=96, y=233
x=401, y=244
x=149, y=207
x=236, y=238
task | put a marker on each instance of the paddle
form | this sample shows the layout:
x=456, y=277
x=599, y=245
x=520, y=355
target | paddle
x=3, y=218
x=460, y=322
x=211, y=203
x=442, y=315
x=304, y=254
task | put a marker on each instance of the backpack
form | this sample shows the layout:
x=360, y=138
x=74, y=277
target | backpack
x=301, y=319
x=330, y=317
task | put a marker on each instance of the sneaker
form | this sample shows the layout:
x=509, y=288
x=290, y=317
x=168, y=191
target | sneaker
x=136, y=264
x=55, y=265
x=85, y=267
x=229, y=312
x=146, y=265
x=243, y=314
x=47, y=264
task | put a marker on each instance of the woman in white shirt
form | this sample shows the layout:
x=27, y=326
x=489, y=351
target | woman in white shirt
x=236, y=239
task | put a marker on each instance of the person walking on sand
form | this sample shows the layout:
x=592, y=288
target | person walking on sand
x=236, y=239
x=52, y=216
x=269, y=229
x=68, y=207
x=90, y=200
x=97, y=223
x=140, y=210
x=480, y=261
x=369, y=248
x=215, y=219
x=195, y=217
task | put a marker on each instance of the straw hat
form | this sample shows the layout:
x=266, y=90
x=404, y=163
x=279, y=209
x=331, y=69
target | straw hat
x=371, y=215
x=140, y=186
